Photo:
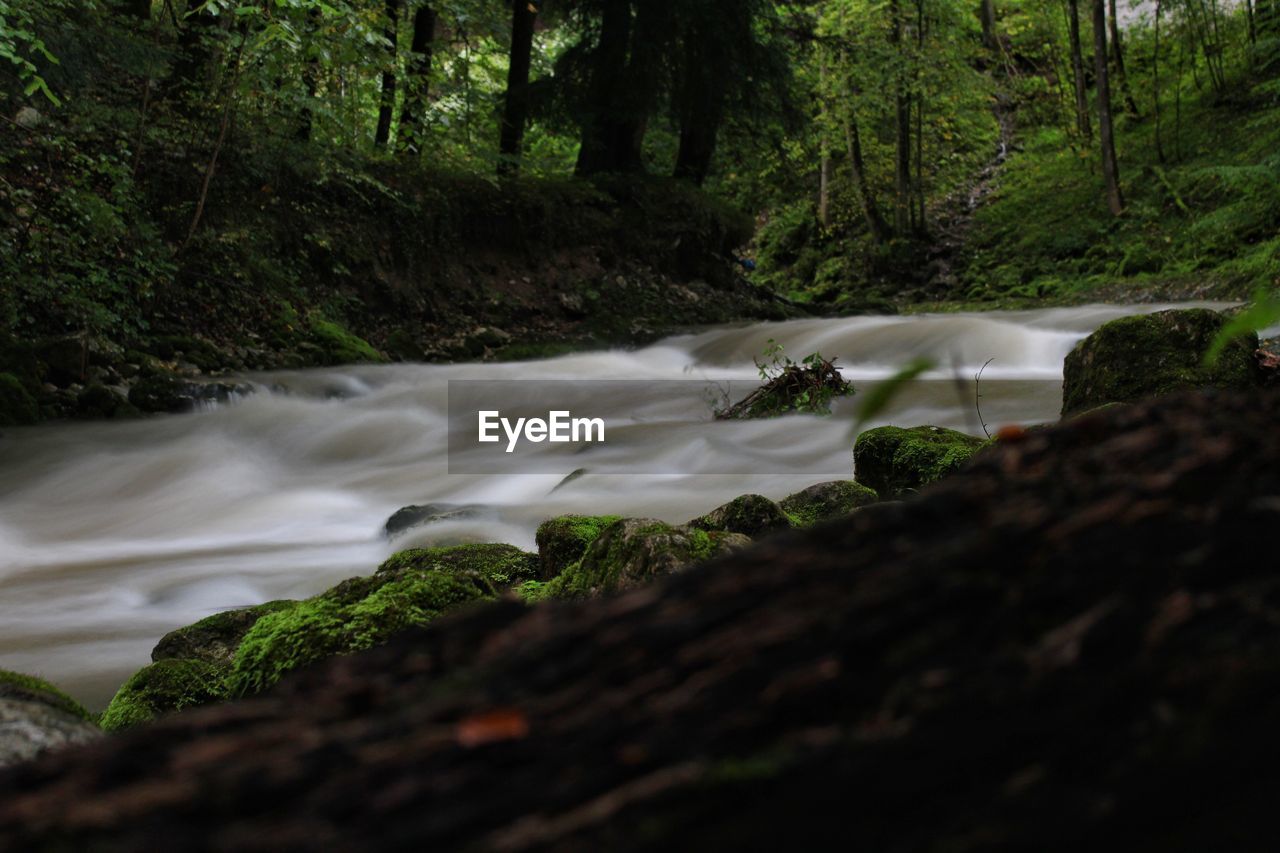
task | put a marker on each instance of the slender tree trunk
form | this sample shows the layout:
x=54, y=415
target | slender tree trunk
x=875, y=222
x=515, y=111
x=902, y=123
x=608, y=64
x=1117, y=52
x=1155, y=83
x=417, y=84
x=1249, y=18
x=1083, y=124
x=824, y=164
x=386, y=110
x=1110, y=168
x=987, y=12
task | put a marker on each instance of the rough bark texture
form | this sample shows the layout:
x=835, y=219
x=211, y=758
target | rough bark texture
x=1077, y=71
x=386, y=111
x=1072, y=645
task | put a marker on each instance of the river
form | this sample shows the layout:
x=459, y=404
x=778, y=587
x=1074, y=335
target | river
x=113, y=533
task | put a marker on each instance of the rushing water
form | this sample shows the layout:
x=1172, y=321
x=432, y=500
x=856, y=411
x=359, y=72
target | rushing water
x=112, y=534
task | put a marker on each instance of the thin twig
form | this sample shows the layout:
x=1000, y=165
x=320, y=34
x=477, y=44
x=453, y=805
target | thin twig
x=977, y=397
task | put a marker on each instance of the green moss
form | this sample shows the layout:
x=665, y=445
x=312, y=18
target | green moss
x=501, y=565
x=15, y=683
x=563, y=540
x=895, y=461
x=339, y=346
x=215, y=638
x=328, y=625
x=632, y=552
x=17, y=406
x=1151, y=354
x=164, y=687
x=750, y=515
x=824, y=501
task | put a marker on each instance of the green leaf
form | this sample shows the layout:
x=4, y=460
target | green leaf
x=879, y=398
x=1264, y=312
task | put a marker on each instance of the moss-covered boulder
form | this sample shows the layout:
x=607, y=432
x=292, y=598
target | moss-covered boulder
x=162, y=688
x=895, y=461
x=502, y=566
x=1132, y=358
x=215, y=638
x=17, y=406
x=750, y=515
x=330, y=625
x=36, y=717
x=824, y=501
x=563, y=540
x=335, y=345
x=633, y=551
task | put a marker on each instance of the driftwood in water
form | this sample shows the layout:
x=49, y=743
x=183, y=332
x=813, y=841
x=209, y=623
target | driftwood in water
x=1072, y=645
x=808, y=386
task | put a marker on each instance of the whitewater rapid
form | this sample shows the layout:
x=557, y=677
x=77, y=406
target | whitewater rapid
x=113, y=533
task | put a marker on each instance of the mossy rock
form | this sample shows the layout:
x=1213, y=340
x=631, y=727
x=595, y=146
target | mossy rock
x=18, y=685
x=563, y=540
x=325, y=626
x=408, y=517
x=36, y=717
x=162, y=688
x=824, y=501
x=214, y=638
x=895, y=461
x=336, y=345
x=500, y=565
x=1132, y=358
x=99, y=401
x=632, y=552
x=750, y=515
x=17, y=406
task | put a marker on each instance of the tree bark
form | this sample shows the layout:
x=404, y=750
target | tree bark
x=870, y=210
x=987, y=13
x=515, y=112
x=902, y=133
x=701, y=109
x=608, y=65
x=417, y=88
x=1083, y=124
x=1110, y=168
x=1155, y=83
x=386, y=110
x=1117, y=52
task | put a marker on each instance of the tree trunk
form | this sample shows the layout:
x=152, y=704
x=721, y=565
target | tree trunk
x=871, y=211
x=1117, y=52
x=987, y=13
x=701, y=110
x=417, y=84
x=1077, y=69
x=1155, y=83
x=386, y=110
x=1110, y=168
x=191, y=67
x=608, y=65
x=515, y=111
x=902, y=125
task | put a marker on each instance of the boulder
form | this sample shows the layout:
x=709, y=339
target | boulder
x=1147, y=355
x=895, y=461
x=413, y=516
x=563, y=540
x=824, y=501
x=164, y=687
x=750, y=515
x=502, y=566
x=171, y=393
x=215, y=638
x=634, y=551
x=36, y=717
